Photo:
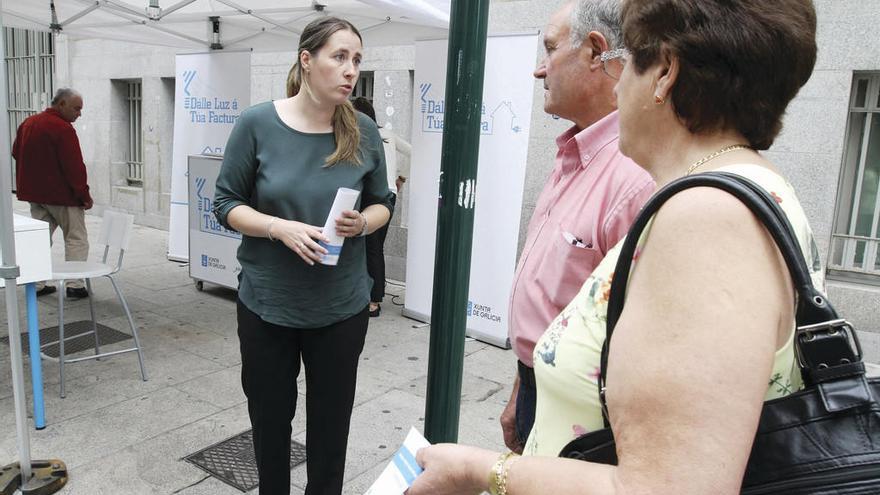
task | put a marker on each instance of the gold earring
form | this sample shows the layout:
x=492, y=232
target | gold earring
x=659, y=100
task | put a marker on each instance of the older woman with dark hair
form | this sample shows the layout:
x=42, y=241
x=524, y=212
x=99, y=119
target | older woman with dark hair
x=706, y=335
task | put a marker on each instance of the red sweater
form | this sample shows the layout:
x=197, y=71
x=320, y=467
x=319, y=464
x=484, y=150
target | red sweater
x=49, y=167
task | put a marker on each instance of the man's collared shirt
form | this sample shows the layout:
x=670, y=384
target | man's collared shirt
x=585, y=208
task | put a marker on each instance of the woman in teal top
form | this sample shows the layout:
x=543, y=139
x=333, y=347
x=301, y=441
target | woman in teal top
x=284, y=162
x=706, y=334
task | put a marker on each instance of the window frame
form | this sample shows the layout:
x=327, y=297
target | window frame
x=364, y=86
x=845, y=245
x=134, y=158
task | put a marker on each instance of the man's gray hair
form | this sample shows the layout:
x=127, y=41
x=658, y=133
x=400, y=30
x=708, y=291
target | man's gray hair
x=596, y=15
x=63, y=94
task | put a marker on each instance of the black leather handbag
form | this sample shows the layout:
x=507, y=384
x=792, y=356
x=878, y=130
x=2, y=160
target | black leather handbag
x=824, y=439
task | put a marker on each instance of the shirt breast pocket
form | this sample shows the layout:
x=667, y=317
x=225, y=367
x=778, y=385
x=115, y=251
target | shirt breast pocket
x=570, y=261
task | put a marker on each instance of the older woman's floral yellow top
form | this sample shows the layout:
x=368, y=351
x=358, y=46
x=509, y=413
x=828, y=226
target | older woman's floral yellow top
x=567, y=356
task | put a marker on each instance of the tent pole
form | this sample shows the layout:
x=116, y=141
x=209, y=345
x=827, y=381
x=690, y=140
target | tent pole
x=9, y=271
x=32, y=477
x=455, y=217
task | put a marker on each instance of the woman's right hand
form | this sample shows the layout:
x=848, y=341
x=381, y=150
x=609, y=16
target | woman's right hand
x=301, y=238
x=451, y=469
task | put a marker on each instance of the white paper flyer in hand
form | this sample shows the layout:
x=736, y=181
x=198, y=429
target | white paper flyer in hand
x=402, y=471
x=345, y=200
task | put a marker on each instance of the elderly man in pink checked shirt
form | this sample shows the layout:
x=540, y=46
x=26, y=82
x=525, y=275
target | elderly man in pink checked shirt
x=590, y=198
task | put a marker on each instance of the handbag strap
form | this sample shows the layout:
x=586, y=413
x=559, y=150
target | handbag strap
x=826, y=346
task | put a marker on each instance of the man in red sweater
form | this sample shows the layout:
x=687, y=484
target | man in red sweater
x=51, y=175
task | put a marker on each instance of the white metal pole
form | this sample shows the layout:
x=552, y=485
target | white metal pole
x=9, y=272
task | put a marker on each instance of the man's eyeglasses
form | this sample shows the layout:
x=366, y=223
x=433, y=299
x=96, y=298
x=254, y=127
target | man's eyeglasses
x=613, y=61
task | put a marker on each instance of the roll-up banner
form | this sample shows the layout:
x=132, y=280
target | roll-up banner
x=211, y=90
x=504, y=140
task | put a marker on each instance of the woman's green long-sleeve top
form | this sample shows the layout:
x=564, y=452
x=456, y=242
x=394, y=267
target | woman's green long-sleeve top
x=280, y=171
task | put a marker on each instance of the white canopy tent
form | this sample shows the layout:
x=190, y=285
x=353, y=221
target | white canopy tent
x=263, y=25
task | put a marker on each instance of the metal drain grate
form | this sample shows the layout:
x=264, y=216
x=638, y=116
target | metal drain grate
x=233, y=462
x=74, y=338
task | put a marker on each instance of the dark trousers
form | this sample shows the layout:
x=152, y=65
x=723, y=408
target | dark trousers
x=270, y=362
x=376, y=259
x=526, y=399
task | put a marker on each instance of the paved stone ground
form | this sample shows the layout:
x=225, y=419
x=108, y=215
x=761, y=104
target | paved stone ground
x=120, y=435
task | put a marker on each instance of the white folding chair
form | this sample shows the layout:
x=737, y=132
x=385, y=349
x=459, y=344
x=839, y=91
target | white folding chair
x=115, y=234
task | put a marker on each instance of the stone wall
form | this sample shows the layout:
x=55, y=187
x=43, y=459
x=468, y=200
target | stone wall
x=810, y=149
x=100, y=69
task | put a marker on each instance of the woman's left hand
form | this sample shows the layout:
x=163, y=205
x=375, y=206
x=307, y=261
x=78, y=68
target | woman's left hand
x=350, y=224
x=451, y=469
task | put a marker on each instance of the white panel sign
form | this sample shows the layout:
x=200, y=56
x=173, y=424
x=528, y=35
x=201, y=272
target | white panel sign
x=212, y=247
x=211, y=91
x=33, y=254
x=504, y=128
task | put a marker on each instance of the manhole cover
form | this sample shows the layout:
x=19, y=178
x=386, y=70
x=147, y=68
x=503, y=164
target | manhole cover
x=76, y=338
x=233, y=462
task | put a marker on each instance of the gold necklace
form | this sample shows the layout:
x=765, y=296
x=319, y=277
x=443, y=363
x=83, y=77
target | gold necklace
x=710, y=156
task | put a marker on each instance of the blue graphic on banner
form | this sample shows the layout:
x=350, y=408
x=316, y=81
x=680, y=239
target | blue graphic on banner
x=208, y=223
x=204, y=110
x=188, y=77
x=482, y=311
x=502, y=118
x=214, y=262
x=423, y=91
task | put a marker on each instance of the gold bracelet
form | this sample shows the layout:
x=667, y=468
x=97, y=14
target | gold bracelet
x=498, y=474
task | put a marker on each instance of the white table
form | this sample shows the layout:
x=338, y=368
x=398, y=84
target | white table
x=34, y=257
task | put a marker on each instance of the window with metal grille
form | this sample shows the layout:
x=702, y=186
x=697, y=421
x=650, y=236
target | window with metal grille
x=855, y=241
x=364, y=86
x=135, y=156
x=30, y=70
